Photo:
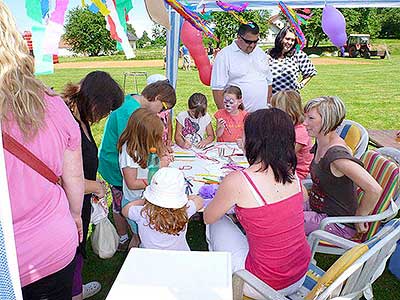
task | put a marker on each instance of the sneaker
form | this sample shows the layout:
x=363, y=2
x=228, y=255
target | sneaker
x=90, y=289
x=123, y=247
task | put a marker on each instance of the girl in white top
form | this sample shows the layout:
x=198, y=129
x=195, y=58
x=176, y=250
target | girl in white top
x=144, y=130
x=163, y=215
x=191, y=125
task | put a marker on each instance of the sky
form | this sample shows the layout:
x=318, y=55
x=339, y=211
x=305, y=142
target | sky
x=140, y=19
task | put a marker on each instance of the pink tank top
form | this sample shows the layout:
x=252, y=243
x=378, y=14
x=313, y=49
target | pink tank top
x=278, y=250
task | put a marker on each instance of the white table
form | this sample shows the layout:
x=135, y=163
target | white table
x=196, y=168
x=149, y=274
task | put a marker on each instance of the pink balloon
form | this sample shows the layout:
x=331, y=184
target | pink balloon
x=193, y=40
x=334, y=25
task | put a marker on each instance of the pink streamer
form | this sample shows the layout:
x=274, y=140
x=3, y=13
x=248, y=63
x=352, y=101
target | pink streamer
x=58, y=14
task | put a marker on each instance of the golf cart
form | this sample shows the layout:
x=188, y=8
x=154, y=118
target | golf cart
x=359, y=44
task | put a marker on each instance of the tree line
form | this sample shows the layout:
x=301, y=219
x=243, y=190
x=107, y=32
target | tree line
x=86, y=32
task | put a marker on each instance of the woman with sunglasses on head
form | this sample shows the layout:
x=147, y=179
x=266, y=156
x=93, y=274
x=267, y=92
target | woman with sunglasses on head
x=243, y=64
x=286, y=63
x=156, y=97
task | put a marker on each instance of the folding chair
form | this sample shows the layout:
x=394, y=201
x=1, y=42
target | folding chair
x=386, y=173
x=355, y=136
x=350, y=277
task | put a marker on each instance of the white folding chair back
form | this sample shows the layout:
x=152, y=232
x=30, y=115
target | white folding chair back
x=352, y=283
x=362, y=144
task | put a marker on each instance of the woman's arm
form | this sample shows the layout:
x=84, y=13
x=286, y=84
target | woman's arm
x=73, y=184
x=362, y=179
x=224, y=199
x=179, y=139
x=132, y=182
x=210, y=137
x=298, y=147
x=95, y=187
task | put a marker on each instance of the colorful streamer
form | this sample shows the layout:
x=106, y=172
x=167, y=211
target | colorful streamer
x=233, y=10
x=192, y=17
x=295, y=21
x=102, y=8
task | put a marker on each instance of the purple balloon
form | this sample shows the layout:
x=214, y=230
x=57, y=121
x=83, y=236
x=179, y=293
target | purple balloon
x=339, y=40
x=334, y=25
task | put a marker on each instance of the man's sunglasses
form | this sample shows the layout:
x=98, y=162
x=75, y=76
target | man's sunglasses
x=249, y=42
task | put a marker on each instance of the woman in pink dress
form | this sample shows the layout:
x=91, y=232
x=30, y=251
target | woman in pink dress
x=46, y=216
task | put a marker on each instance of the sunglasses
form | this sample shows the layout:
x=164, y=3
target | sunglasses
x=164, y=106
x=249, y=42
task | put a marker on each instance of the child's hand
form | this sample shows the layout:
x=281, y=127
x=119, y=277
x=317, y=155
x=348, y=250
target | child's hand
x=198, y=201
x=221, y=123
x=168, y=145
x=166, y=160
x=202, y=144
x=100, y=189
x=187, y=144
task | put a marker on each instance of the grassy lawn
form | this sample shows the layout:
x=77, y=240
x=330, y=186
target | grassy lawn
x=370, y=91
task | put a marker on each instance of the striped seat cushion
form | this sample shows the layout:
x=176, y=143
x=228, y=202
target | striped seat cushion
x=386, y=173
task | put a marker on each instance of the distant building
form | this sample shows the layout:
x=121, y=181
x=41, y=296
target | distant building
x=64, y=49
x=276, y=23
x=132, y=38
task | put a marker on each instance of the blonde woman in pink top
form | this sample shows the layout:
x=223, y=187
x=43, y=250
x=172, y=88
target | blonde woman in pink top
x=46, y=216
x=290, y=102
x=268, y=202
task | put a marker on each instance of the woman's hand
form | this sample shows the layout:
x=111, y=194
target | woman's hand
x=79, y=227
x=100, y=189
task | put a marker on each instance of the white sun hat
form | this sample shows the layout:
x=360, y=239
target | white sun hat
x=167, y=189
x=154, y=78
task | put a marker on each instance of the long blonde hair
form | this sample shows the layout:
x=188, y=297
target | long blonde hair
x=21, y=94
x=144, y=130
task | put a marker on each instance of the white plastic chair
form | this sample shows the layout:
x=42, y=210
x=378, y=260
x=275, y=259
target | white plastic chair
x=362, y=145
x=351, y=282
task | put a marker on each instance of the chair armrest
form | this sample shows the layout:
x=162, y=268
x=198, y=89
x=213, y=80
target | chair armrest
x=243, y=276
x=316, y=236
x=390, y=212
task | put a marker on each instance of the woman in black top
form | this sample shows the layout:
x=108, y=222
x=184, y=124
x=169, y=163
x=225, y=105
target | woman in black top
x=90, y=101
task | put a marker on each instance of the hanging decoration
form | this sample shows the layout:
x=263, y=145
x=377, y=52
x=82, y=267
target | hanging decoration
x=233, y=9
x=296, y=19
x=192, y=17
x=334, y=25
x=193, y=40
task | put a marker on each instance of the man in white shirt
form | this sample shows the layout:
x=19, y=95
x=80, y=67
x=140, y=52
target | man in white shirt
x=245, y=65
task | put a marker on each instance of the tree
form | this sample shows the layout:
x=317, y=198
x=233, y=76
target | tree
x=131, y=29
x=359, y=20
x=390, y=26
x=226, y=25
x=86, y=33
x=159, y=35
x=144, y=40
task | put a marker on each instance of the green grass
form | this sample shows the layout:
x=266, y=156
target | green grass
x=372, y=97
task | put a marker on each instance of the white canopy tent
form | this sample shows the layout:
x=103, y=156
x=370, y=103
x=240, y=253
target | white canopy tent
x=176, y=20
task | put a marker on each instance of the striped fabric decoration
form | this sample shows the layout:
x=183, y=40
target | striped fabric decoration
x=386, y=173
x=173, y=42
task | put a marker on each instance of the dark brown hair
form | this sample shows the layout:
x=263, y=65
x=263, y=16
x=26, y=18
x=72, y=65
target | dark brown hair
x=277, y=50
x=269, y=140
x=165, y=220
x=198, y=102
x=94, y=97
x=162, y=90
